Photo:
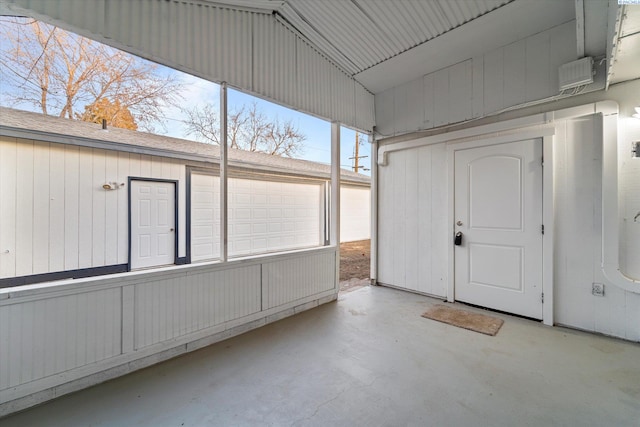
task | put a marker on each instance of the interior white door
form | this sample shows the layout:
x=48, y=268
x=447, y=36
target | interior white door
x=152, y=223
x=498, y=210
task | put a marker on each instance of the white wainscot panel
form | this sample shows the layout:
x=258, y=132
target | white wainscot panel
x=177, y=306
x=289, y=280
x=45, y=337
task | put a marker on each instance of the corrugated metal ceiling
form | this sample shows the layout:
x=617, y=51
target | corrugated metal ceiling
x=358, y=34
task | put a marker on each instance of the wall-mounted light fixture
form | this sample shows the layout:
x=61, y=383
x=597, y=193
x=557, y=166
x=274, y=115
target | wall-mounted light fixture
x=637, y=114
x=112, y=186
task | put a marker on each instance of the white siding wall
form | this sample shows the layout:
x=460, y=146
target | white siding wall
x=61, y=338
x=523, y=71
x=578, y=161
x=413, y=220
x=355, y=213
x=55, y=214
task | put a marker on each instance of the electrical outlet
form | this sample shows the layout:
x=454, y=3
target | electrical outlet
x=597, y=289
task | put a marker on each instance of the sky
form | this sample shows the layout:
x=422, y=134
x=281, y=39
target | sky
x=316, y=147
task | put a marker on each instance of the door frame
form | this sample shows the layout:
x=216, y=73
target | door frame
x=546, y=134
x=176, y=258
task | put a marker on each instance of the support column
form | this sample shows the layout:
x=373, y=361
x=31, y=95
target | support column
x=223, y=173
x=374, y=210
x=334, y=224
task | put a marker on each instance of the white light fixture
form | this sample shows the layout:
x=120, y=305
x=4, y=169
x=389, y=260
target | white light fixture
x=637, y=114
x=112, y=186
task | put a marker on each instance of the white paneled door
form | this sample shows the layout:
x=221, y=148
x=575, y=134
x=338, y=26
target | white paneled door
x=498, y=216
x=153, y=225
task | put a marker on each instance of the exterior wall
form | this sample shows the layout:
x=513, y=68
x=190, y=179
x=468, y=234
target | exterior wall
x=524, y=71
x=62, y=338
x=55, y=215
x=355, y=213
x=407, y=242
x=412, y=220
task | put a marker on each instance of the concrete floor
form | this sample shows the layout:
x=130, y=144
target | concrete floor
x=368, y=360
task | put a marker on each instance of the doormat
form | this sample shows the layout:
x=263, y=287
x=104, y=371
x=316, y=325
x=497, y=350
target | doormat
x=484, y=324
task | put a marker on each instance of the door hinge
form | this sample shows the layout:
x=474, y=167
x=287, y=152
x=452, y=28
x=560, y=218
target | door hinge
x=542, y=161
x=542, y=297
x=542, y=228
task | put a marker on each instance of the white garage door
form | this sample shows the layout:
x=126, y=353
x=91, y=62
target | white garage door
x=205, y=217
x=355, y=213
x=264, y=216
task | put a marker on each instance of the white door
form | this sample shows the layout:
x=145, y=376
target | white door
x=152, y=223
x=498, y=210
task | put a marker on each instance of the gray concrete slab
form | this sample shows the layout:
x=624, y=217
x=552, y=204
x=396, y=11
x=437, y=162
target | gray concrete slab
x=370, y=359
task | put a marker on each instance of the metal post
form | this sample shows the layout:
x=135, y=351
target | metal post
x=374, y=210
x=334, y=228
x=223, y=172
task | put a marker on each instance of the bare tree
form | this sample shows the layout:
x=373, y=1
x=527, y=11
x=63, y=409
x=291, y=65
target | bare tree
x=60, y=73
x=248, y=129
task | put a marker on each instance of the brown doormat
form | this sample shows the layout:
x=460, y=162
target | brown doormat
x=484, y=324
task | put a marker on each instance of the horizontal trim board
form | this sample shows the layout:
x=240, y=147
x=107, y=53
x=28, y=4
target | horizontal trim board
x=150, y=275
x=61, y=275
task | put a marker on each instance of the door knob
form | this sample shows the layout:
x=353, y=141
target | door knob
x=458, y=239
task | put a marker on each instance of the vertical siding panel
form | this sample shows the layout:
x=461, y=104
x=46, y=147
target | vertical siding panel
x=207, y=299
x=156, y=167
x=514, y=73
x=385, y=119
x=399, y=203
x=5, y=350
x=82, y=330
x=428, y=101
x=41, y=201
x=39, y=339
x=562, y=49
x=441, y=94
x=56, y=208
x=423, y=234
x=411, y=222
x=632, y=316
x=99, y=208
x=25, y=367
x=493, y=81
x=386, y=220
x=85, y=208
x=460, y=92
x=8, y=205
x=122, y=213
x=72, y=199
x=111, y=209
x=478, y=86
x=537, y=67
x=24, y=208
x=15, y=351
x=145, y=166
x=179, y=173
x=439, y=220
x=50, y=336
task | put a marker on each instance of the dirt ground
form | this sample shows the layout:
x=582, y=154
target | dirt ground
x=354, y=264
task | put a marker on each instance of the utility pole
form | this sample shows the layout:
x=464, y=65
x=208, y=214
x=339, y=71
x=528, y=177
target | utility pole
x=356, y=155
